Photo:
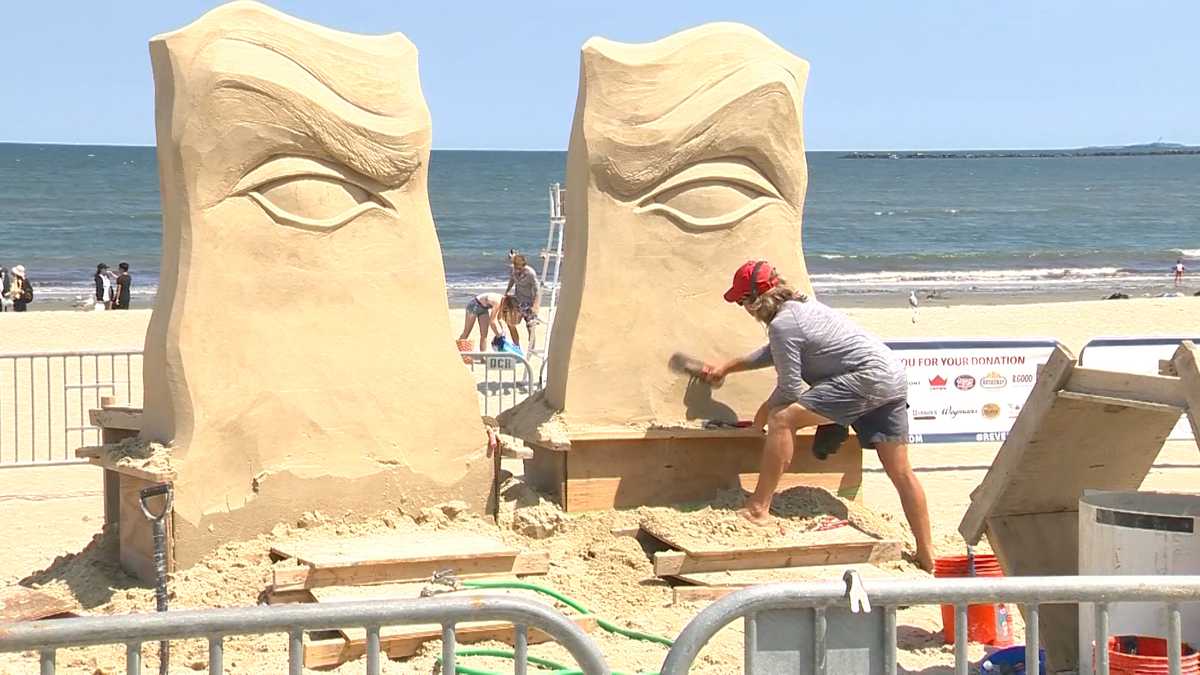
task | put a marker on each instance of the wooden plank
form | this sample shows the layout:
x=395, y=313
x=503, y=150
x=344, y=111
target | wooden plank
x=274, y=596
x=305, y=577
x=1120, y=402
x=681, y=594
x=616, y=474
x=1134, y=386
x=115, y=417
x=1188, y=366
x=19, y=603
x=1083, y=445
x=1051, y=377
x=675, y=563
x=1043, y=544
x=329, y=652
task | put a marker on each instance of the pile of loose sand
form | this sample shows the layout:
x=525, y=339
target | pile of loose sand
x=135, y=453
x=610, y=575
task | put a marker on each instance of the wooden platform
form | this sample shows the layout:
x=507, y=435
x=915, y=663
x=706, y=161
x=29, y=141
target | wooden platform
x=840, y=546
x=395, y=557
x=326, y=649
x=1080, y=429
x=625, y=468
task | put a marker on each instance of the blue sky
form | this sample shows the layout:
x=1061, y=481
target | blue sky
x=885, y=75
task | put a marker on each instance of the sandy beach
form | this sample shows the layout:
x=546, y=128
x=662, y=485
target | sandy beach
x=56, y=511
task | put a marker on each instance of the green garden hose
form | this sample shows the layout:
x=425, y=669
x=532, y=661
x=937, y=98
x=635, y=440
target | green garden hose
x=555, y=668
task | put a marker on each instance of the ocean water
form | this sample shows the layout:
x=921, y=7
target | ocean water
x=957, y=226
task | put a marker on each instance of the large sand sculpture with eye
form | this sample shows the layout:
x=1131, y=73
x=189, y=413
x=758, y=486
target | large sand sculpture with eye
x=298, y=357
x=686, y=159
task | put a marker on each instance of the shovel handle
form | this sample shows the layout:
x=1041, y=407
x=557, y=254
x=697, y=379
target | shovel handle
x=154, y=491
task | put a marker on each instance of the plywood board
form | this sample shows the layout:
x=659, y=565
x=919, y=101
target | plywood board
x=19, y=603
x=135, y=533
x=657, y=472
x=1043, y=544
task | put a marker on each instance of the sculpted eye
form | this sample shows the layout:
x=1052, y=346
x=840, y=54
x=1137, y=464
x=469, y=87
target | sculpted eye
x=310, y=194
x=711, y=195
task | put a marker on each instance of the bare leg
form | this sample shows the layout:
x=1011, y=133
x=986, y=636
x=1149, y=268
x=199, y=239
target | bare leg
x=467, y=326
x=532, y=329
x=894, y=457
x=782, y=424
x=512, y=331
x=483, y=335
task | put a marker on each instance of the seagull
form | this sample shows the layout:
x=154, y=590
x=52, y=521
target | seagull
x=912, y=302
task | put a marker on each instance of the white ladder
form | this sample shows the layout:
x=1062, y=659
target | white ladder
x=553, y=252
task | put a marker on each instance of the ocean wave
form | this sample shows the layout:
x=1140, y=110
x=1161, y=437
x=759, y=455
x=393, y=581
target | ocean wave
x=1188, y=252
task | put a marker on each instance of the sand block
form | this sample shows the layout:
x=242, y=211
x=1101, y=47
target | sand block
x=395, y=557
x=686, y=159
x=298, y=156
x=19, y=603
x=404, y=641
x=1080, y=429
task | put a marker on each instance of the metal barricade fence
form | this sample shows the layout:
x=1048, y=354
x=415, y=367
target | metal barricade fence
x=1029, y=592
x=214, y=625
x=502, y=379
x=45, y=398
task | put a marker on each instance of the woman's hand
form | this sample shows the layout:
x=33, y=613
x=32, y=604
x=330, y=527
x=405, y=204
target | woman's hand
x=713, y=375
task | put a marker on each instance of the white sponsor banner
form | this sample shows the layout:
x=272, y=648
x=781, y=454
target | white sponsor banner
x=968, y=390
x=1136, y=355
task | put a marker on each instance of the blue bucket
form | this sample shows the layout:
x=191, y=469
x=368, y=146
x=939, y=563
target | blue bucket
x=1011, y=661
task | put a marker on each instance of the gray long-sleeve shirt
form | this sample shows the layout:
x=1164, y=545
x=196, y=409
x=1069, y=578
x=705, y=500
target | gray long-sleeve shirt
x=811, y=342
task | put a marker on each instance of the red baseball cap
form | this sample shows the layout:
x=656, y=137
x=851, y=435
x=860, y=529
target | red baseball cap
x=763, y=276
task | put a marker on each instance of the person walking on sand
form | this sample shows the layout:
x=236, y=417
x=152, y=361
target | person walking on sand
x=853, y=379
x=523, y=284
x=104, y=288
x=20, y=290
x=6, y=302
x=124, y=286
x=486, y=309
x=1179, y=270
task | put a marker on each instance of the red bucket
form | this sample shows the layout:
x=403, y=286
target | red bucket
x=1140, y=655
x=986, y=624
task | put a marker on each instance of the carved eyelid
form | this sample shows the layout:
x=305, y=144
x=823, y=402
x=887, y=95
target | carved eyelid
x=279, y=168
x=727, y=170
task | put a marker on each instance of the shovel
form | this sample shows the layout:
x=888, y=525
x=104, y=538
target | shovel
x=158, y=521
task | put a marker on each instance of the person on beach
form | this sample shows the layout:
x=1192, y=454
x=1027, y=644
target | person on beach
x=1179, y=270
x=20, y=290
x=486, y=309
x=124, y=286
x=104, y=288
x=527, y=294
x=852, y=381
x=6, y=303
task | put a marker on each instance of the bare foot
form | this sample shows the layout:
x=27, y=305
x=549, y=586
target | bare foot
x=762, y=520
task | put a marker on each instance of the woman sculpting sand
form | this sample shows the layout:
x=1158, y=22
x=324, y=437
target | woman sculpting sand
x=833, y=373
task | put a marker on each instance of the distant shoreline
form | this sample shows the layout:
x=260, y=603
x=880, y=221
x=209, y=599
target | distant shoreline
x=1151, y=150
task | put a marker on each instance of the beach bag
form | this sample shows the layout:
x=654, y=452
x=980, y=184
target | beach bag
x=26, y=291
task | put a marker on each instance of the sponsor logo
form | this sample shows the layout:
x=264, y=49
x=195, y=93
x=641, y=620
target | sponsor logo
x=990, y=410
x=991, y=436
x=954, y=413
x=937, y=382
x=1024, y=378
x=919, y=414
x=1014, y=410
x=993, y=380
x=964, y=382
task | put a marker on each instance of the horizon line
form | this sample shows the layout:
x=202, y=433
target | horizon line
x=961, y=149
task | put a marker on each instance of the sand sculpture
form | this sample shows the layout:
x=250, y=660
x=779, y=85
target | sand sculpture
x=298, y=356
x=686, y=159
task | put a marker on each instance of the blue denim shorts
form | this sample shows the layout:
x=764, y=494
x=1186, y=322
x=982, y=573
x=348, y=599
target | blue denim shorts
x=474, y=307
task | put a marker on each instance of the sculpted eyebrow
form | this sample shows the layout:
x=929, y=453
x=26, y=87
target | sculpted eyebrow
x=761, y=101
x=384, y=151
